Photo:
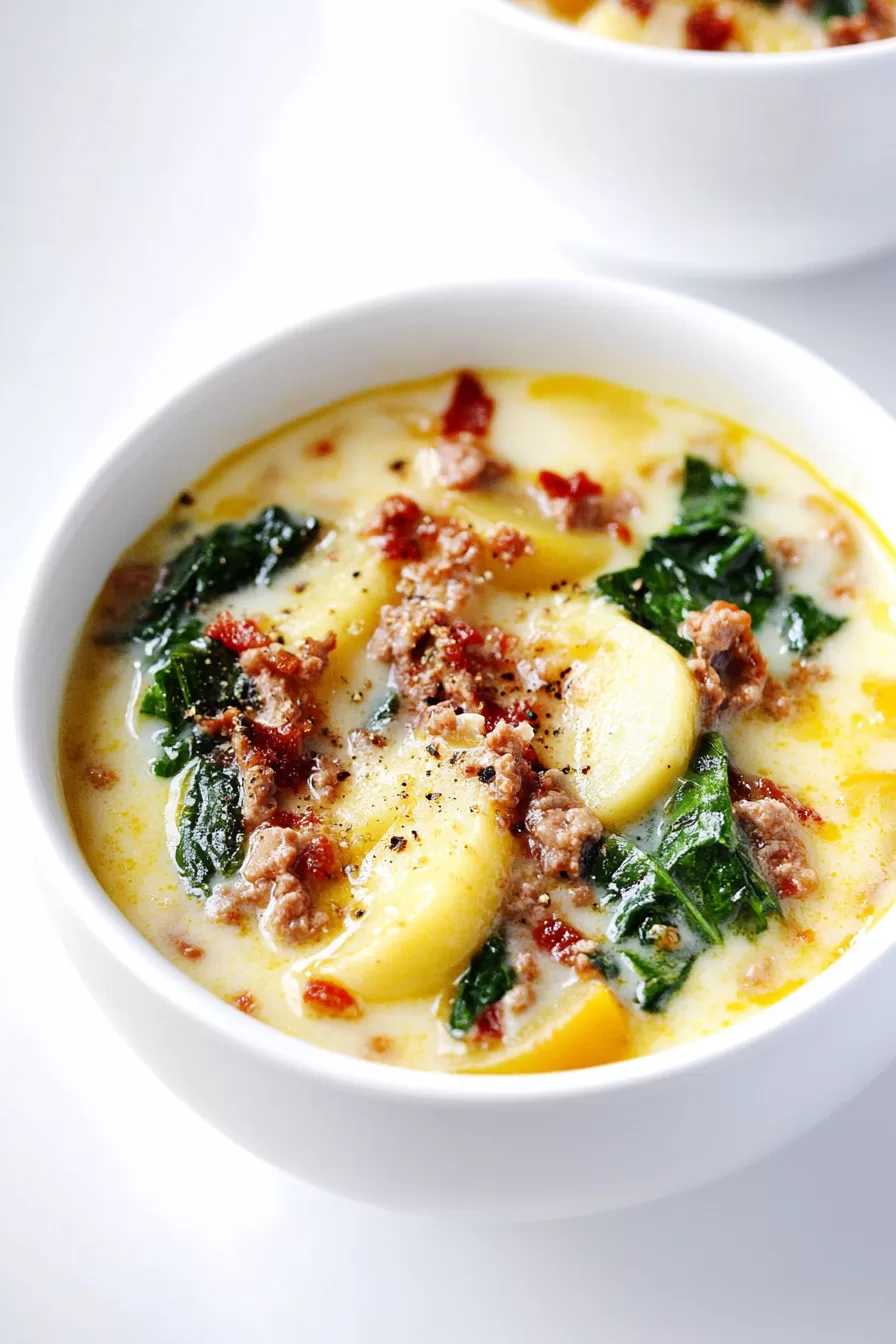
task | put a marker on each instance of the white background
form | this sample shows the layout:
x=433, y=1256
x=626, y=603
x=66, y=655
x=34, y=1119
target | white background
x=178, y=178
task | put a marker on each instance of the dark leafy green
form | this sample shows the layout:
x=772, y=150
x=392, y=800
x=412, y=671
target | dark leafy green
x=703, y=850
x=487, y=978
x=804, y=624
x=383, y=711
x=825, y=10
x=709, y=496
x=211, y=837
x=229, y=557
x=706, y=556
x=193, y=677
x=639, y=891
x=700, y=882
x=656, y=974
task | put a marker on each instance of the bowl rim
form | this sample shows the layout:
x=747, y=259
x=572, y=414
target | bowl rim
x=580, y=41
x=64, y=867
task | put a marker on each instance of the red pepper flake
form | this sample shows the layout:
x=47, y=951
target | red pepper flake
x=323, y=448
x=245, y=1002
x=325, y=996
x=490, y=1023
x=643, y=8
x=470, y=410
x=577, y=486
x=708, y=28
x=752, y=787
x=555, y=936
x=621, y=531
x=238, y=636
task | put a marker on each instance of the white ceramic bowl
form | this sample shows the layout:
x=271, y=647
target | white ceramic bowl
x=701, y=162
x=526, y=1146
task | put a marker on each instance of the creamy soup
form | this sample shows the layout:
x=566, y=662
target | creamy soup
x=495, y=723
x=729, y=25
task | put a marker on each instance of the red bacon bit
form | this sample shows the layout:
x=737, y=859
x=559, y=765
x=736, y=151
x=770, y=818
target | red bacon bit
x=470, y=410
x=325, y=996
x=490, y=1023
x=748, y=788
x=238, y=636
x=621, y=531
x=517, y=711
x=554, y=935
x=394, y=528
x=320, y=860
x=643, y=8
x=462, y=637
x=708, y=28
x=282, y=751
x=577, y=486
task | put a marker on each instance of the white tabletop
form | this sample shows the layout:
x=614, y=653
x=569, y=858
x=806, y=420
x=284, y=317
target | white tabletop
x=178, y=180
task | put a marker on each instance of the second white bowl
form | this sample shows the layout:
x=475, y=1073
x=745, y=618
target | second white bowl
x=700, y=162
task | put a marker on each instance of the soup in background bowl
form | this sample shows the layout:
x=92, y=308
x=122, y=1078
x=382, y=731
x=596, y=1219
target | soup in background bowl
x=503, y=722
x=453, y=1132
x=728, y=25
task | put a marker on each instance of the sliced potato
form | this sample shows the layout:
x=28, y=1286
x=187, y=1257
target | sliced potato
x=558, y=555
x=431, y=889
x=586, y=1027
x=346, y=582
x=628, y=719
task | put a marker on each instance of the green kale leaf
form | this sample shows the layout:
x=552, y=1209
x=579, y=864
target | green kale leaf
x=211, y=837
x=655, y=974
x=825, y=10
x=702, y=848
x=709, y=496
x=193, y=677
x=639, y=891
x=805, y=625
x=229, y=557
x=706, y=556
x=487, y=978
x=383, y=711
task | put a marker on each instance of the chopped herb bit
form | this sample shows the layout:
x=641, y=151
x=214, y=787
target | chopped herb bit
x=486, y=980
x=383, y=711
x=210, y=825
x=805, y=625
x=705, y=557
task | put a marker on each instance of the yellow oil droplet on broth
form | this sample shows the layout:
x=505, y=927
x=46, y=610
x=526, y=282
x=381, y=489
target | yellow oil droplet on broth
x=869, y=787
x=813, y=722
x=763, y=998
x=882, y=694
x=619, y=410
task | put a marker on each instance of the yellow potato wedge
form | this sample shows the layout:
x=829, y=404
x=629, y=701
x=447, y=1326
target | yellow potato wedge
x=558, y=555
x=586, y=1027
x=628, y=719
x=431, y=889
x=346, y=582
